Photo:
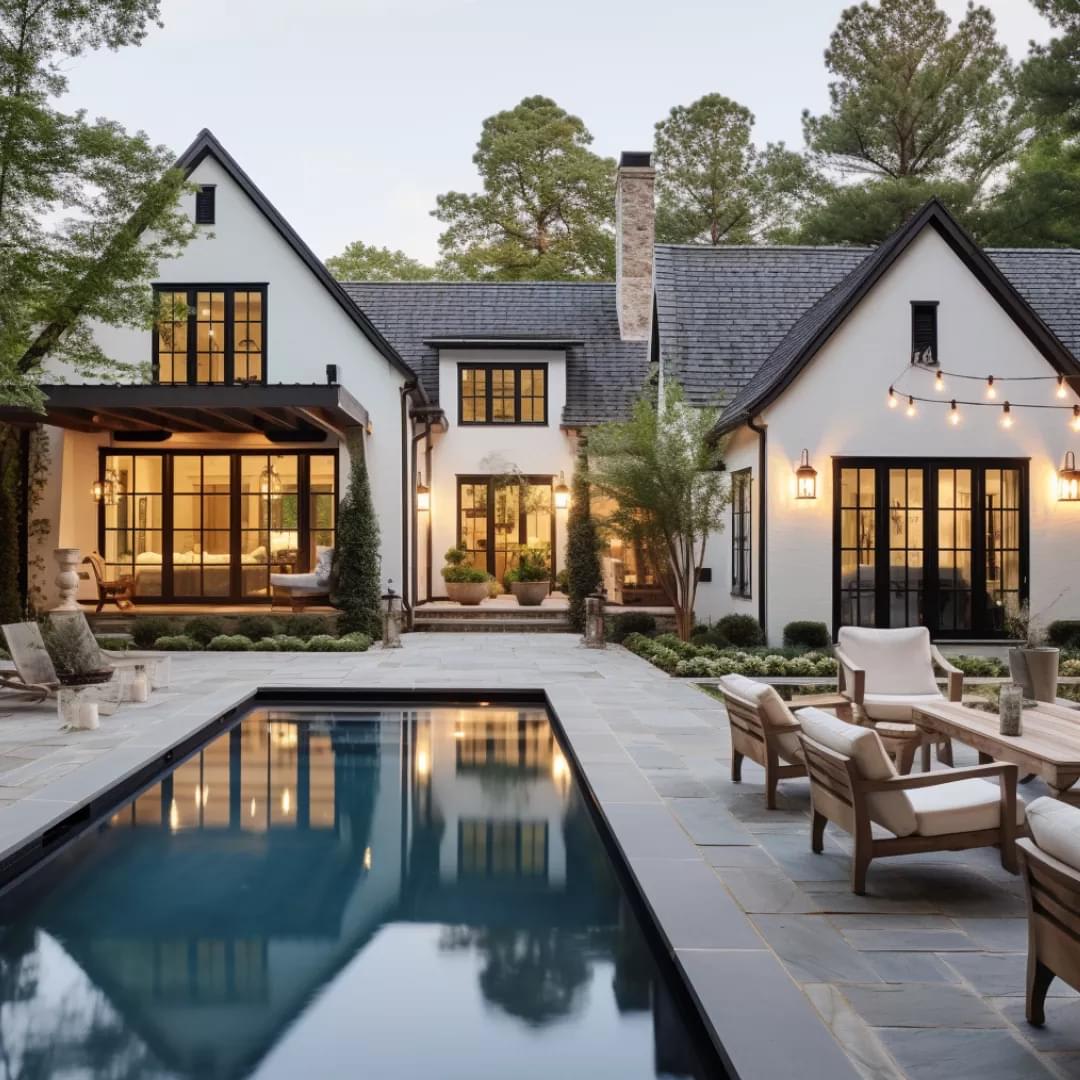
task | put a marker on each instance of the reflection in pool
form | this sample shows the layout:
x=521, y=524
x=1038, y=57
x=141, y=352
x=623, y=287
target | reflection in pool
x=380, y=893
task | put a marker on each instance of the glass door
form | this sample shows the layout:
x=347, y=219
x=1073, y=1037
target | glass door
x=955, y=550
x=1002, y=511
x=497, y=517
x=858, y=547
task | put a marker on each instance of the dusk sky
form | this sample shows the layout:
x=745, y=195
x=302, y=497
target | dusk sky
x=352, y=115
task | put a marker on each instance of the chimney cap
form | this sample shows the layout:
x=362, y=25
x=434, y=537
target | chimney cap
x=635, y=159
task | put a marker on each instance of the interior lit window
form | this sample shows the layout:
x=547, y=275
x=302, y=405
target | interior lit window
x=502, y=395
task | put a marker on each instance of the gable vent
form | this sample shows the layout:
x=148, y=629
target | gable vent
x=204, y=205
x=924, y=344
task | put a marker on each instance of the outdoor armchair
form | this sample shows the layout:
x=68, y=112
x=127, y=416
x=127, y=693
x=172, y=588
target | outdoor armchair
x=854, y=784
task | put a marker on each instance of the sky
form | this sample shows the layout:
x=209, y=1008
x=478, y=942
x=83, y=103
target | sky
x=352, y=115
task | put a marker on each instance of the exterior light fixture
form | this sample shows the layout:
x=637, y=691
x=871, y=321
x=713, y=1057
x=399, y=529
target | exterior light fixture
x=990, y=391
x=269, y=481
x=423, y=495
x=893, y=402
x=1061, y=391
x=1069, y=480
x=954, y=414
x=562, y=493
x=910, y=406
x=104, y=491
x=1006, y=416
x=939, y=382
x=392, y=617
x=806, y=478
x=1076, y=418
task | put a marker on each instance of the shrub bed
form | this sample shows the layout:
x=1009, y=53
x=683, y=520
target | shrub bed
x=679, y=658
x=620, y=627
x=354, y=642
x=807, y=634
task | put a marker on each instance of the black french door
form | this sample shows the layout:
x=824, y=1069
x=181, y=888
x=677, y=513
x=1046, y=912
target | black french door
x=497, y=518
x=938, y=542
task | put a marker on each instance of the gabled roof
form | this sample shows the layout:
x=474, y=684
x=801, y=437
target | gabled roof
x=207, y=144
x=814, y=328
x=604, y=373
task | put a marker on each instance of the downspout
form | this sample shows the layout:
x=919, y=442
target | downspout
x=406, y=502
x=430, y=525
x=762, y=431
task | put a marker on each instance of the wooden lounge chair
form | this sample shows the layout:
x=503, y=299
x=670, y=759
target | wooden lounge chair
x=853, y=784
x=1050, y=864
x=763, y=729
x=157, y=664
x=888, y=673
x=119, y=591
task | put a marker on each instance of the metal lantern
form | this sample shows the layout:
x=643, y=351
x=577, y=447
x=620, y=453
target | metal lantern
x=562, y=493
x=392, y=612
x=806, y=478
x=423, y=495
x=1069, y=480
x=594, y=620
x=106, y=490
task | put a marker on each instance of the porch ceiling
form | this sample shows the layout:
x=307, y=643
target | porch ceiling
x=282, y=410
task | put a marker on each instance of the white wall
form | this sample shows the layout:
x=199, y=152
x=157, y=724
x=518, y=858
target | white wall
x=837, y=407
x=491, y=449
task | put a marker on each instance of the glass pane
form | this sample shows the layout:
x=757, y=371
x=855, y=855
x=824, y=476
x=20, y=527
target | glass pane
x=187, y=473
x=148, y=473
x=187, y=512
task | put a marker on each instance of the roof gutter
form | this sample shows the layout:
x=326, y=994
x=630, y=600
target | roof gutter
x=762, y=431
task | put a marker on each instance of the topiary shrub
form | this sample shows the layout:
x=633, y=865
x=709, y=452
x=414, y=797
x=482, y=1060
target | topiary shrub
x=230, y=643
x=305, y=626
x=741, y=630
x=355, y=588
x=257, y=627
x=630, y=622
x=562, y=580
x=266, y=645
x=177, y=643
x=288, y=643
x=1064, y=633
x=115, y=644
x=810, y=635
x=204, y=628
x=710, y=635
x=582, y=544
x=354, y=642
x=148, y=628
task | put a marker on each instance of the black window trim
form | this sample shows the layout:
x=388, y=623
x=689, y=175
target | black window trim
x=980, y=630
x=742, y=540
x=206, y=192
x=230, y=289
x=933, y=305
x=517, y=367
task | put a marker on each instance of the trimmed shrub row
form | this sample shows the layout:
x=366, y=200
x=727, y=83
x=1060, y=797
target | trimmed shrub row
x=677, y=657
x=355, y=642
x=204, y=628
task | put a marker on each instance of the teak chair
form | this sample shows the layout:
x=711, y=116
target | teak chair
x=763, y=729
x=1050, y=864
x=886, y=674
x=119, y=591
x=853, y=784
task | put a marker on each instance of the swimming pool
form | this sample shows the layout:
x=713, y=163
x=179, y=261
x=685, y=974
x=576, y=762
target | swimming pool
x=383, y=892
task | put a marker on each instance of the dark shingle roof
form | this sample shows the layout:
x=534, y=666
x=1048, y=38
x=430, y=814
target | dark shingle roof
x=604, y=373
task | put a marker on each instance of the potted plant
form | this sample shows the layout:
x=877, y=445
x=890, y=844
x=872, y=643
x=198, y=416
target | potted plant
x=530, y=580
x=465, y=583
x=1033, y=664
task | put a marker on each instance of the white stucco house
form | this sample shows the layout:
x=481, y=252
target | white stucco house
x=226, y=464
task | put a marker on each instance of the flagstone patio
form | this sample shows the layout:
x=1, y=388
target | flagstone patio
x=923, y=977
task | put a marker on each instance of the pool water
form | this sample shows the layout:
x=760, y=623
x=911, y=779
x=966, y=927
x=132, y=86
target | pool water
x=381, y=893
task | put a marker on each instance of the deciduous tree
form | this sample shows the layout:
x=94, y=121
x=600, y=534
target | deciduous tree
x=365, y=262
x=1050, y=77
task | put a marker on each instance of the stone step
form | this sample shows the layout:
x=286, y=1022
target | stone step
x=491, y=613
x=503, y=625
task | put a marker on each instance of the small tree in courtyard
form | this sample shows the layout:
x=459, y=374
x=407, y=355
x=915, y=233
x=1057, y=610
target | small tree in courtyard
x=356, y=591
x=664, y=474
x=582, y=543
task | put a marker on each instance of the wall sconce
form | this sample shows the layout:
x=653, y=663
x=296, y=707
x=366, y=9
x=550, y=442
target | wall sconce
x=562, y=493
x=423, y=495
x=1069, y=480
x=806, y=478
x=105, y=491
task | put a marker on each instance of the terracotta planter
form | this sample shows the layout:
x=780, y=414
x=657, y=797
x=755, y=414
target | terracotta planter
x=530, y=593
x=467, y=592
x=1036, y=672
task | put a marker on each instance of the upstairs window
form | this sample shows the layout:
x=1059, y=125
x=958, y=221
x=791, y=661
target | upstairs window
x=740, y=533
x=210, y=335
x=204, y=205
x=924, y=345
x=501, y=394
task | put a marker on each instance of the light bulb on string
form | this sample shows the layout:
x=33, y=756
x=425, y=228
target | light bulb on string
x=1006, y=416
x=1061, y=391
x=990, y=391
x=939, y=382
x=892, y=398
x=954, y=414
x=1076, y=418
x=911, y=406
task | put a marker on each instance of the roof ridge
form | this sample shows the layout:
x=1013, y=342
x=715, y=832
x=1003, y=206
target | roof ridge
x=501, y=284
x=769, y=247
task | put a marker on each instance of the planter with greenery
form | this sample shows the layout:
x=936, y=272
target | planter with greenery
x=530, y=580
x=465, y=583
x=1033, y=664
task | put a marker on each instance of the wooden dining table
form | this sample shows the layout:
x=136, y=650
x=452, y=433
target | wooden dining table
x=1048, y=748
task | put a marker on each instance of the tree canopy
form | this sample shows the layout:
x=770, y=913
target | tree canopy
x=365, y=262
x=547, y=205
x=1050, y=77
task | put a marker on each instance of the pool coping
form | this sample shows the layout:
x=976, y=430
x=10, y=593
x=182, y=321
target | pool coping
x=759, y=1019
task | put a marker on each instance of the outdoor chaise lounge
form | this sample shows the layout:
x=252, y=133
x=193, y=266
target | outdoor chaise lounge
x=763, y=729
x=304, y=587
x=34, y=672
x=888, y=673
x=854, y=784
x=1050, y=863
x=157, y=664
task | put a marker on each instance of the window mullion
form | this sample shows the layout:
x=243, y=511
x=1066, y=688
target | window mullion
x=192, y=337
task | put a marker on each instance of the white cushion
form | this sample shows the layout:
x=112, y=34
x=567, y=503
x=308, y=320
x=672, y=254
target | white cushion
x=892, y=809
x=324, y=558
x=1055, y=828
x=773, y=710
x=897, y=707
x=296, y=581
x=895, y=661
x=959, y=807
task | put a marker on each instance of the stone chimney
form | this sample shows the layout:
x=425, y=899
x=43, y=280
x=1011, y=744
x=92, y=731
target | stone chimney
x=635, y=234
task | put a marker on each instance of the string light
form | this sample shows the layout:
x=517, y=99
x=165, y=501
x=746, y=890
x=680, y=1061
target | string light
x=954, y=414
x=990, y=391
x=1061, y=391
x=1006, y=416
x=1076, y=418
x=892, y=398
x=939, y=382
x=910, y=406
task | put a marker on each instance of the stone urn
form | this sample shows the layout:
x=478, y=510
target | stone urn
x=1035, y=671
x=67, y=581
x=469, y=593
x=530, y=593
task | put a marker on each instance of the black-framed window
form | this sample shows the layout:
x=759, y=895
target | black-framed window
x=741, y=539
x=924, y=335
x=205, y=205
x=938, y=542
x=502, y=393
x=496, y=519
x=210, y=334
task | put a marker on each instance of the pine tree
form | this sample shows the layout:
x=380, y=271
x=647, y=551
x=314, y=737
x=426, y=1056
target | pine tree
x=356, y=591
x=582, y=544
